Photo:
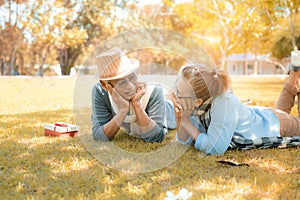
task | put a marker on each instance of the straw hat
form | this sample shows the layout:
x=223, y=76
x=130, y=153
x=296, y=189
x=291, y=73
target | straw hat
x=295, y=58
x=113, y=65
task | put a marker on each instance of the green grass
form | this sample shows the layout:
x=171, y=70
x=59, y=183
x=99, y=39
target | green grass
x=33, y=166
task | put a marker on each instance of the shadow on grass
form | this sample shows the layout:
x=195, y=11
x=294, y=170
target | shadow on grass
x=34, y=166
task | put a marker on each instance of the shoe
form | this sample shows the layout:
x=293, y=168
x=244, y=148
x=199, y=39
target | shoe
x=295, y=60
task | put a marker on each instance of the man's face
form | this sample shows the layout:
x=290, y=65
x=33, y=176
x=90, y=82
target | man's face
x=126, y=86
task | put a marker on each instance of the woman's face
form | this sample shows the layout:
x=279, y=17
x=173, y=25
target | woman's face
x=183, y=89
x=126, y=86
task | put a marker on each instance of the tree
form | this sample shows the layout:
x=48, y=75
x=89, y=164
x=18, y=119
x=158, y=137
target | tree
x=286, y=32
x=221, y=26
x=85, y=23
x=12, y=33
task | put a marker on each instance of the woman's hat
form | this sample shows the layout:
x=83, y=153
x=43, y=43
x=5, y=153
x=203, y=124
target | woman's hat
x=295, y=58
x=113, y=65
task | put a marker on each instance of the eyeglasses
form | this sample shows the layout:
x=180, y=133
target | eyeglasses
x=124, y=81
x=175, y=92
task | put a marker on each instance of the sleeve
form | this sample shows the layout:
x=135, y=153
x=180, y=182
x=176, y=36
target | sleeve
x=101, y=112
x=224, y=120
x=156, y=111
x=197, y=123
x=189, y=141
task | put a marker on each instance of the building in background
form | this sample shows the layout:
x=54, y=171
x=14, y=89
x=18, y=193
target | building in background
x=245, y=64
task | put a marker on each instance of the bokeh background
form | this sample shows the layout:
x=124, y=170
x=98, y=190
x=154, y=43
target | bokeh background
x=43, y=42
x=39, y=37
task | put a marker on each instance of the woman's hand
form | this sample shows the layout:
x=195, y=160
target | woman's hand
x=184, y=107
x=187, y=108
x=177, y=109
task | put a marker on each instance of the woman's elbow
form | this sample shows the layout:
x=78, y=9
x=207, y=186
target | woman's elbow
x=216, y=151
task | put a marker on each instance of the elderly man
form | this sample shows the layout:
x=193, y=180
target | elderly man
x=120, y=100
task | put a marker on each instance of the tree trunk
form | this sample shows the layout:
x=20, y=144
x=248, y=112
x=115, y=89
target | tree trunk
x=67, y=59
x=2, y=67
x=293, y=36
x=223, y=60
x=292, y=21
x=21, y=64
x=13, y=53
x=44, y=57
x=62, y=61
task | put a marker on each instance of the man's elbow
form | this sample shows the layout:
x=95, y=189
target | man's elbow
x=158, y=137
x=98, y=135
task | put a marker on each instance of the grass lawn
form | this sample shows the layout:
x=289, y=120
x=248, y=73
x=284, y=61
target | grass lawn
x=33, y=166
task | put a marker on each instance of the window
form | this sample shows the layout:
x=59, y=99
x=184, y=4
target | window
x=250, y=69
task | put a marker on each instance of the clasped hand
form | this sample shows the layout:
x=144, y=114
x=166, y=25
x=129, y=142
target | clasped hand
x=184, y=107
x=140, y=91
x=124, y=103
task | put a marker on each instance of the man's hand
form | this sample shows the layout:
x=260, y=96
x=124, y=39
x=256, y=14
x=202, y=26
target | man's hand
x=122, y=103
x=140, y=91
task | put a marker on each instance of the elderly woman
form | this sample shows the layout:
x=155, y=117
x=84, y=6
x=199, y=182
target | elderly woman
x=120, y=100
x=209, y=114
